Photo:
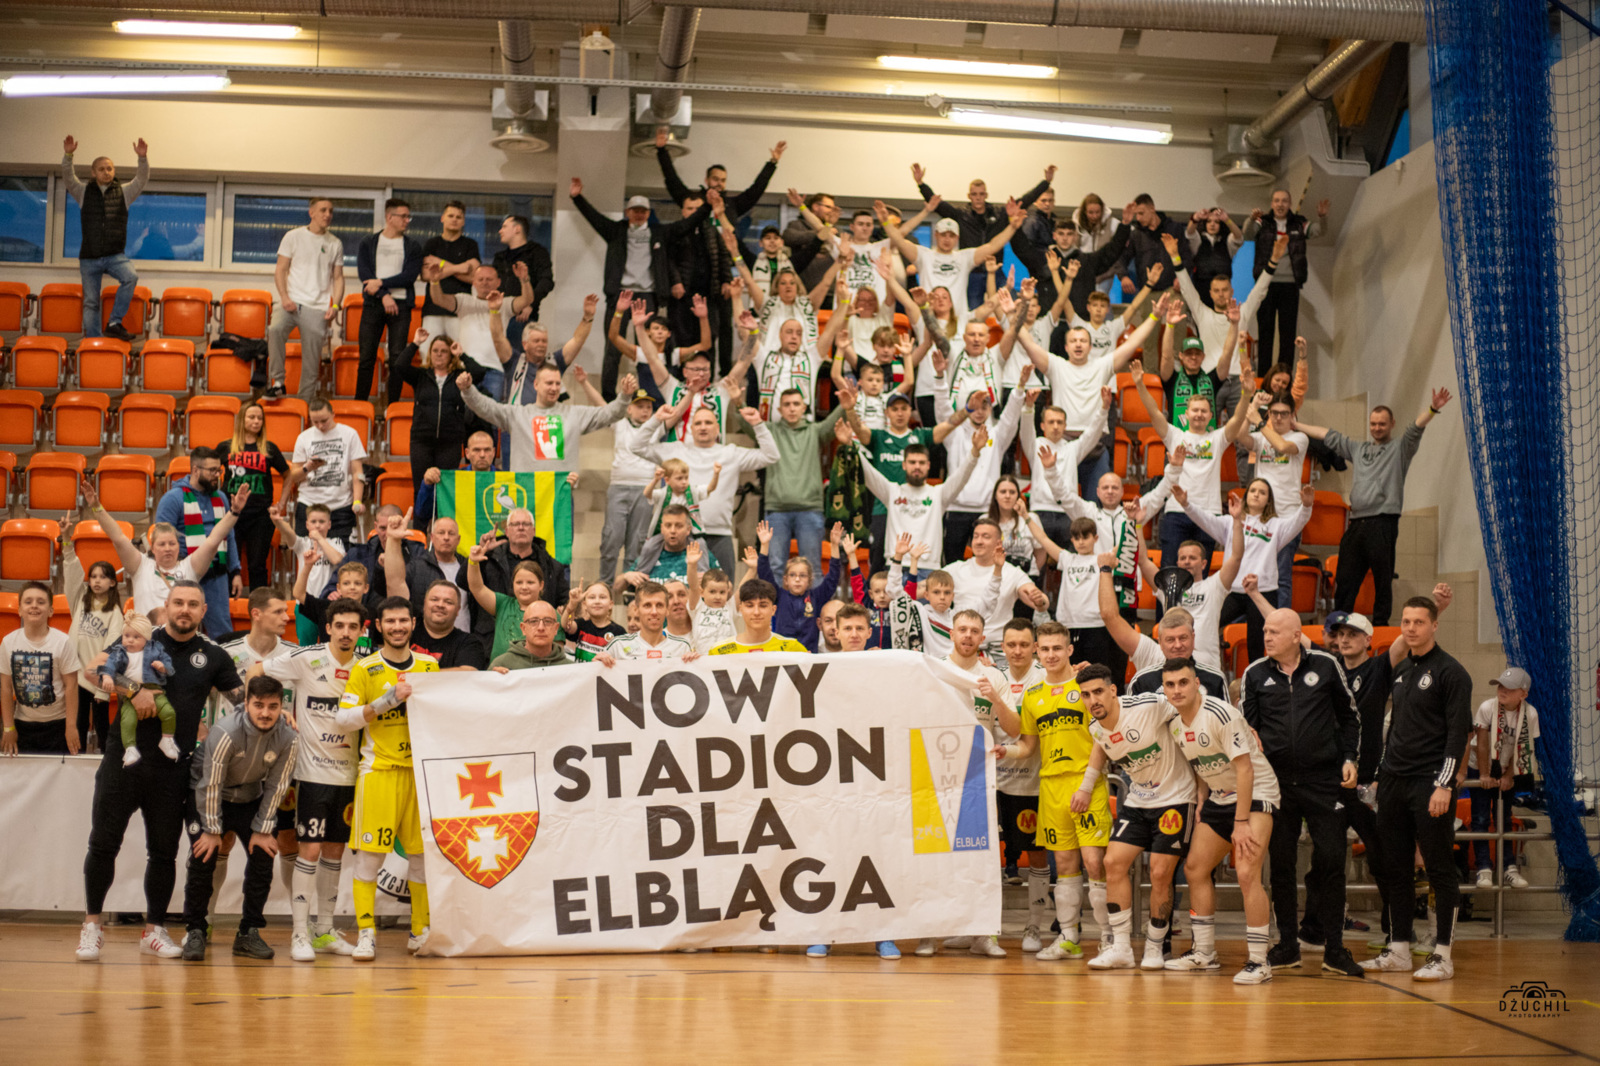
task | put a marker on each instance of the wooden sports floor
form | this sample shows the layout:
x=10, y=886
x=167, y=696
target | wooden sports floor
x=745, y=1007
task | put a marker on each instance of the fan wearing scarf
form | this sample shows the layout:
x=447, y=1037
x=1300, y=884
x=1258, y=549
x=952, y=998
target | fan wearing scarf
x=193, y=506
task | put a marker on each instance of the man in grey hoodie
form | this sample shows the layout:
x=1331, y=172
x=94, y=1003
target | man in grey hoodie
x=545, y=434
x=240, y=774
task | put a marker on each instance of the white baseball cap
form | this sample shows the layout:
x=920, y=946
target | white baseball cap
x=1347, y=620
x=946, y=225
x=638, y=201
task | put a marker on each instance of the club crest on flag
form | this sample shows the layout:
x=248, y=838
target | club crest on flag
x=483, y=812
x=500, y=498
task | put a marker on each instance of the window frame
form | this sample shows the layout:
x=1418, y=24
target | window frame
x=232, y=190
x=56, y=228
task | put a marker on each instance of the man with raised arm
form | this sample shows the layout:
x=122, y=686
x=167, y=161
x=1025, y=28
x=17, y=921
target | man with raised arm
x=104, y=211
x=1377, y=498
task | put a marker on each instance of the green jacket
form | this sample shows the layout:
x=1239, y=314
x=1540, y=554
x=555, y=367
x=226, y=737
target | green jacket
x=794, y=482
x=518, y=657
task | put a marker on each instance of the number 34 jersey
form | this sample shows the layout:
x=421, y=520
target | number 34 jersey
x=317, y=681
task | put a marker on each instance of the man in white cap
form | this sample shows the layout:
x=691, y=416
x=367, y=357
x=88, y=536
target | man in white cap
x=1503, y=731
x=945, y=265
x=636, y=260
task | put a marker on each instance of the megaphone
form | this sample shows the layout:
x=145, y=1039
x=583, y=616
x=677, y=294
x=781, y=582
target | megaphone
x=1171, y=583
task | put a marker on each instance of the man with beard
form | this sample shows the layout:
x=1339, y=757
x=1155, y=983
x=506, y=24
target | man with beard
x=193, y=506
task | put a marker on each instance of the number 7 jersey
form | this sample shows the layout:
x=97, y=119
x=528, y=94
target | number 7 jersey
x=386, y=740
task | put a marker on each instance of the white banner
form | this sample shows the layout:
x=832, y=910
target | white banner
x=738, y=800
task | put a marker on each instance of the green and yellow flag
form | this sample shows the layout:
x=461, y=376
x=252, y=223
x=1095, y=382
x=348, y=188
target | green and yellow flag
x=480, y=502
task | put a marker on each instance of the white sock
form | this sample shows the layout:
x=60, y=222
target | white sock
x=1155, y=931
x=1205, y=932
x=1400, y=947
x=1039, y=897
x=327, y=893
x=1122, y=927
x=286, y=872
x=1069, y=904
x=1443, y=951
x=1097, y=903
x=1255, y=939
x=303, y=884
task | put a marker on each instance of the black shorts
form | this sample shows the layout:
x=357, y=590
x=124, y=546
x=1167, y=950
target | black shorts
x=323, y=813
x=1158, y=830
x=1220, y=816
x=285, y=820
x=1019, y=819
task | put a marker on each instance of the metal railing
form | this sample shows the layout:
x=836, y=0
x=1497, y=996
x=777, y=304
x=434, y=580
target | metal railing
x=1499, y=835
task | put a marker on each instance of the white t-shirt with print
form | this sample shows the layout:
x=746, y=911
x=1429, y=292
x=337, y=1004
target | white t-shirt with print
x=1102, y=338
x=860, y=273
x=330, y=483
x=972, y=582
x=151, y=583
x=1282, y=472
x=312, y=261
x=945, y=270
x=38, y=673
x=1202, y=469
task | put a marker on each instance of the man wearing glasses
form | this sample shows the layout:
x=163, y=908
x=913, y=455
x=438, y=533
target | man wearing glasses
x=538, y=647
x=387, y=265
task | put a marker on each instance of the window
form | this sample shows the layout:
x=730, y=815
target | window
x=485, y=212
x=161, y=226
x=261, y=218
x=24, y=208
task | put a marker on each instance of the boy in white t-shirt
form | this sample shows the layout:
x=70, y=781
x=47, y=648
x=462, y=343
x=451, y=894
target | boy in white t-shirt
x=309, y=281
x=38, y=681
x=709, y=594
x=1503, y=732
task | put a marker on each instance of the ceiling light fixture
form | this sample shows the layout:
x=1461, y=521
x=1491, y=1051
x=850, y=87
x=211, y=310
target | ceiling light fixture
x=968, y=68
x=90, y=84
x=259, y=31
x=1058, y=125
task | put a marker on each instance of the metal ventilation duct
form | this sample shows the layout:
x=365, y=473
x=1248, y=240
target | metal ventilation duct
x=516, y=57
x=1345, y=63
x=676, y=48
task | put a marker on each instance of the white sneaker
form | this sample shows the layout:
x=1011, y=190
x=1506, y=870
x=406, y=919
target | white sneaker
x=157, y=942
x=987, y=946
x=169, y=747
x=1194, y=960
x=1118, y=956
x=418, y=940
x=1061, y=949
x=1254, y=973
x=925, y=947
x=1514, y=878
x=366, y=946
x=130, y=756
x=333, y=941
x=956, y=943
x=1030, y=939
x=1155, y=956
x=1485, y=879
x=300, y=949
x=1388, y=961
x=90, y=941
x=1437, y=968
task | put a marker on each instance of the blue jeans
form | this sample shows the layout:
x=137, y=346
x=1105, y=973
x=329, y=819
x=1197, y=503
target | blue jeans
x=1090, y=471
x=1176, y=528
x=218, y=623
x=804, y=527
x=92, y=271
x=1286, y=572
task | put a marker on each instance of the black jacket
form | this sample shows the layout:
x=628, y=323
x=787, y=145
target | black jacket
x=1308, y=723
x=541, y=273
x=980, y=227
x=1210, y=261
x=367, y=268
x=422, y=570
x=737, y=204
x=438, y=414
x=498, y=566
x=1091, y=266
x=697, y=259
x=615, y=233
x=1268, y=234
x=1148, y=250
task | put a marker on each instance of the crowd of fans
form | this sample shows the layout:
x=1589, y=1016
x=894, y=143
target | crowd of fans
x=930, y=441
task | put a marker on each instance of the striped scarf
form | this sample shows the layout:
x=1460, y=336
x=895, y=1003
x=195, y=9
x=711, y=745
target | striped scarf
x=687, y=500
x=195, y=529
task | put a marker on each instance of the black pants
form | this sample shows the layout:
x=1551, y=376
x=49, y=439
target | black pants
x=373, y=322
x=1325, y=879
x=1364, y=820
x=1403, y=824
x=1278, y=316
x=254, y=532
x=958, y=533
x=344, y=523
x=94, y=716
x=1236, y=606
x=1368, y=547
x=155, y=787
x=42, y=738
x=1094, y=644
x=879, y=552
x=257, y=873
x=444, y=454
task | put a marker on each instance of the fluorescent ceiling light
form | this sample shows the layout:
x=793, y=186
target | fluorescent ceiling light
x=928, y=65
x=84, y=84
x=254, y=30
x=1058, y=125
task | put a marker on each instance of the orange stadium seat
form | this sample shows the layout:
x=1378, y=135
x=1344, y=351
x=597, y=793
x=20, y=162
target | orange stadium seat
x=395, y=486
x=78, y=421
x=286, y=419
x=144, y=423
x=1154, y=450
x=1306, y=584
x=61, y=308
x=126, y=484
x=102, y=364
x=16, y=304
x=208, y=420
x=1133, y=412
x=21, y=416
x=346, y=362
x=176, y=471
x=185, y=312
x=8, y=474
x=1230, y=463
x=138, y=310
x=226, y=373
x=358, y=415
x=292, y=367
x=52, y=482
x=1121, y=446
x=350, y=314
x=166, y=365
x=246, y=312
x=38, y=363
x=10, y=614
x=28, y=550
x=1235, y=649
x=397, y=429
x=1329, y=513
x=91, y=544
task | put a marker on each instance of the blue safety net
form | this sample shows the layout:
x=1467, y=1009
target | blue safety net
x=1516, y=120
